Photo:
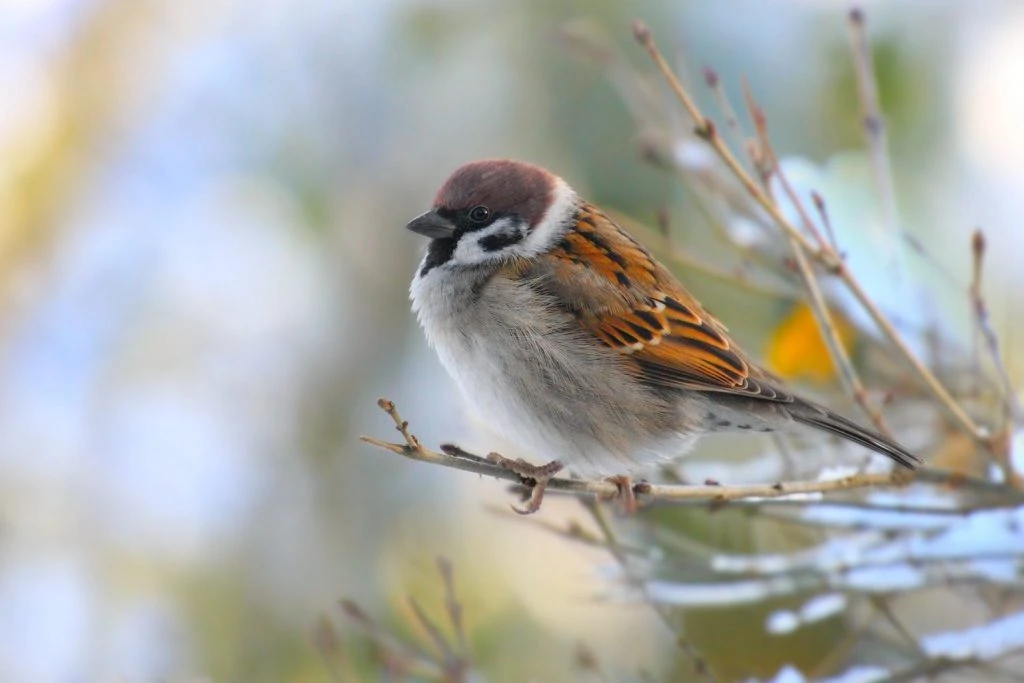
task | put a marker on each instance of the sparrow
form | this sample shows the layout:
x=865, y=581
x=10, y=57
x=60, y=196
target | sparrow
x=567, y=337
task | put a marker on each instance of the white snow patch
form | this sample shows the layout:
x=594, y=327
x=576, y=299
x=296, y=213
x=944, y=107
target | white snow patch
x=816, y=609
x=717, y=594
x=1017, y=451
x=859, y=674
x=882, y=579
x=981, y=642
x=789, y=674
x=782, y=622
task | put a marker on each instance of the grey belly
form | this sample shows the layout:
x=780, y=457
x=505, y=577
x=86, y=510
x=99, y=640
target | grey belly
x=564, y=396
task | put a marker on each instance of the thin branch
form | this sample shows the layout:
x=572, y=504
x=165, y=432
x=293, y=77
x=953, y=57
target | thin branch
x=587, y=662
x=873, y=121
x=955, y=410
x=394, y=654
x=819, y=205
x=715, y=494
x=452, y=605
x=983, y=324
x=571, y=531
x=700, y=665
x=822, y=314
x=397, y=655
x=829, y=258
x=328, y=644
x=434, y=634
x=713, y=82
x=677, y=256
x=706, y=131
x=932, y=668
x=769, y=161
x=882, y=606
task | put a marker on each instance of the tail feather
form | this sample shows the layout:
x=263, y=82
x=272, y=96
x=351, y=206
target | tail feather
x=821, y=418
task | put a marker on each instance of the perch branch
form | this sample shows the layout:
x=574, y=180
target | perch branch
x=714, y=494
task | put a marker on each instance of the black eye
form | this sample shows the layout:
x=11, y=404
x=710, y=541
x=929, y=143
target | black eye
x=479, y=214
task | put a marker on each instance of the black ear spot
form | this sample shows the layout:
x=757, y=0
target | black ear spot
x=500, y=240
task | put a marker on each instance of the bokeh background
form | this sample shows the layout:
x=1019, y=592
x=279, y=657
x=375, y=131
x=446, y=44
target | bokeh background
x=203, y=279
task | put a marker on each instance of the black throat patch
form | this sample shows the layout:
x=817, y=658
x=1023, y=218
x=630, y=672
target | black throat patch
x=439, y=252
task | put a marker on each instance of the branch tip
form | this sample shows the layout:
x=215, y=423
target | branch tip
x=978, y=243
x=353, y=611
x=706, y=130
x=642, y=34
x=710, y=76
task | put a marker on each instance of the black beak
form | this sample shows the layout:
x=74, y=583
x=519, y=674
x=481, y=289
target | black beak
x=433, y=225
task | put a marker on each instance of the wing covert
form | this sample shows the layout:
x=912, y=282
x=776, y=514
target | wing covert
x=620, y=294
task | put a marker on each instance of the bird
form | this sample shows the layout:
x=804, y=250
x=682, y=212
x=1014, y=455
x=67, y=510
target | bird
x=570, y=340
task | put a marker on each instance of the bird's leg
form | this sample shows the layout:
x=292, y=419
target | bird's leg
x=536, y=477
x=626, y=492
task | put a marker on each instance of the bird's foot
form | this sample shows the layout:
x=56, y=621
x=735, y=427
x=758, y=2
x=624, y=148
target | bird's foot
x=626, y=491
x=535, y=477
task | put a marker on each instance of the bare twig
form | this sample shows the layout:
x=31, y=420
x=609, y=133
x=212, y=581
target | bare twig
x=873, y=120
x=395, y=655
x=452, y=605
x=732, y=123
x=456, y=458
x=328, y=645
x=882, y=606
x=705, y=129
x=822, y=314
x=983, y=325
x=769, y=161
x=931, y=669
x=945, y=399
x=587, y=662
x=437, y=638
x=570, y=531
x=677, y=256
x=819, y=205
x=700, y=665
x=777, y=504
x=402, y=656
x=828, y=257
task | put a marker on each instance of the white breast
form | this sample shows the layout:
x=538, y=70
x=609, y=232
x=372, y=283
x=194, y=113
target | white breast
x=535, y=379
x=470, y=334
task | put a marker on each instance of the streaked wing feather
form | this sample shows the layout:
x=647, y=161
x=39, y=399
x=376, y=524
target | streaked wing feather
x=822, y=418
x=629, y=301
x=617, y=291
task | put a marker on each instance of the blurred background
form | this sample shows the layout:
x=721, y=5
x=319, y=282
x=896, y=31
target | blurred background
x=203, y=290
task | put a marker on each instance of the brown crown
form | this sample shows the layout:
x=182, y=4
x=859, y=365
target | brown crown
x=502, y=185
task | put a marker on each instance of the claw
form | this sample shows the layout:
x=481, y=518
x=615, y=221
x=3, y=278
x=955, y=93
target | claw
x=626, y=492
x=536, y=477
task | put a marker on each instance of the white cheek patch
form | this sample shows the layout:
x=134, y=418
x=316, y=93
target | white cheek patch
x=506, y=237
x=556, y=221
x=496, y=241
